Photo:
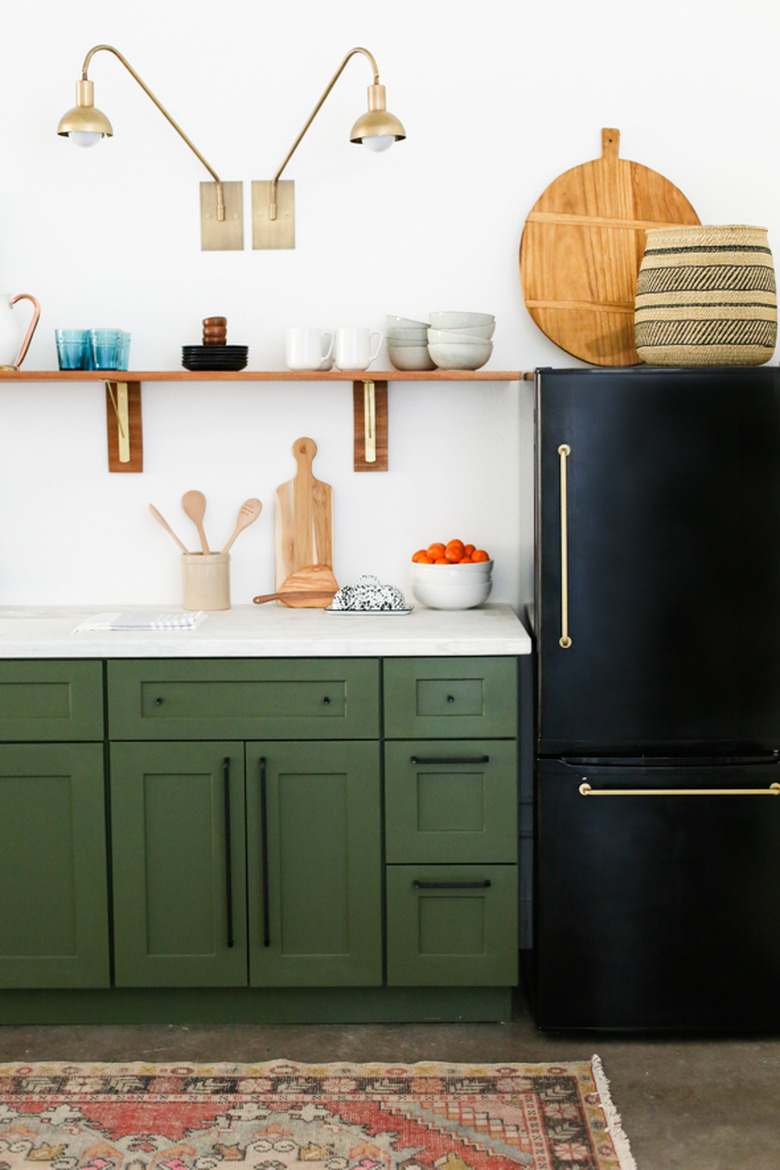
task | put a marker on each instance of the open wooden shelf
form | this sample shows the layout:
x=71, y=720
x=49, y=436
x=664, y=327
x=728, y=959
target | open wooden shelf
x=369, y=396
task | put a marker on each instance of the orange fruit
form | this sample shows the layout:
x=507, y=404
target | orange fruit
x=468, y=550
x=480, y=555
x=435, y=550
x=422, y=558
x=442, y=561
x=465, y=561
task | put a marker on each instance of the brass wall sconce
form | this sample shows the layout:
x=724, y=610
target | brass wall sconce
x=221, y=204
x=273, y=203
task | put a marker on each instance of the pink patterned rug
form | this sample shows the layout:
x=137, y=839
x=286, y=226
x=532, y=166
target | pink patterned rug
x=279, y=1114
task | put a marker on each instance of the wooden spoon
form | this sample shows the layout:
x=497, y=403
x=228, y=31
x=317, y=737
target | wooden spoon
x=247, y=514
x=311, y=587
x=161, y=520
x=294, y=598
x=194, y=505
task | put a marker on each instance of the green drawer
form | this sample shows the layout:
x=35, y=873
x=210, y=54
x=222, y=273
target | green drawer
x=47, y=700
x=452, y=925
x=240, y=698
x=450, y=697
x=452, y=801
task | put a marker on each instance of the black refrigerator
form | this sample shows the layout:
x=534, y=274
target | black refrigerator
x=656, y=623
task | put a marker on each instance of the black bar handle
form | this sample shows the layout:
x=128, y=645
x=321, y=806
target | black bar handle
x=450, y=759
x=452, y=885
x=264, y=842
x=228, y=853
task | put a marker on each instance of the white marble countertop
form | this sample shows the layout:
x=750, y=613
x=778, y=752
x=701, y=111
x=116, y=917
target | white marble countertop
x=267, y=631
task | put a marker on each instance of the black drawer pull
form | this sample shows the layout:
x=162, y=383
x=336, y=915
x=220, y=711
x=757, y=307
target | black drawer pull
x=452, y=885
x=264, y=841
x=449, y=759
x=450, y=698
x=326, y=701
x=158, y=702
x=228, y=853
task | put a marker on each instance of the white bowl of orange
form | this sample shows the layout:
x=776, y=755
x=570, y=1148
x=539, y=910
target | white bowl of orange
x=452, y=575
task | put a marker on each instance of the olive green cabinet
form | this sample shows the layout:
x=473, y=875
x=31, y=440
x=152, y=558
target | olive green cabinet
x=246, y=861
x=451, y=821
x=179, y=868
x=224, y=876
x=53, y=865
x=252, y=828
x=315, y=864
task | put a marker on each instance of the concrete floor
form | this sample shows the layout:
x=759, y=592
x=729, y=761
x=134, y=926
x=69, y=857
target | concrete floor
x=691, y=1104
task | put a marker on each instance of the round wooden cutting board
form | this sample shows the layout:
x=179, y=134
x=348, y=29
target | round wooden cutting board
x=581, y=249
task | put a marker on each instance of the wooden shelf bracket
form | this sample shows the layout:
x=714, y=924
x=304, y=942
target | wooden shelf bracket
x=369, y=401
x=124, y=426
x=369, y=404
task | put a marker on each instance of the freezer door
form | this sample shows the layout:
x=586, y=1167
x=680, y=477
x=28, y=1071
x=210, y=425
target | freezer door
x=657, y=911
x=657, y=609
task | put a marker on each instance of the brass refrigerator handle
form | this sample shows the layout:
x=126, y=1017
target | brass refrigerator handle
x=564, y=641
x=586, y=790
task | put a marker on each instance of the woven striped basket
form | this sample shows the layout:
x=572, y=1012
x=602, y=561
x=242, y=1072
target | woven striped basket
x=706, y=296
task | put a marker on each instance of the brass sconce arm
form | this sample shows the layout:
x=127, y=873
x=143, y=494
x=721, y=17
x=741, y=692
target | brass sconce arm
x=272, y=209
x=164, y=112
x=273, y=206
x=85, y=118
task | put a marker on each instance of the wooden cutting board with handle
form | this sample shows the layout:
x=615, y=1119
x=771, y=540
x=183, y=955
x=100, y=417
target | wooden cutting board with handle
x=303, y=518
x=582, y=245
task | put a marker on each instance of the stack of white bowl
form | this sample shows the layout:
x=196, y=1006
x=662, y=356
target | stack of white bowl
x=452, y=586
x=461, y=341
x=407, y=344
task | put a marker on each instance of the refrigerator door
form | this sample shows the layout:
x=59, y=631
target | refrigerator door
x=658, y=557
x=658, y=911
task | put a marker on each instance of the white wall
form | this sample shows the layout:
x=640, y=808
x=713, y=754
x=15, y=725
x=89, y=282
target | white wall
x=497, y=100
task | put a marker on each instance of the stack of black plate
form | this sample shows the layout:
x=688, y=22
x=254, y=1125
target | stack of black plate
x=214, y=357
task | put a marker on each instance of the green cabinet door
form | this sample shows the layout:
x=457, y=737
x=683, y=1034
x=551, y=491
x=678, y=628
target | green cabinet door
x=53, y=881
x=179, y=873
x=314, y=861
x=452, y=925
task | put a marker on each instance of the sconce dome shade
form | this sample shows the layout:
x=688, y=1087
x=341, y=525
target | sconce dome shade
x=377, y=124
x=85, y=120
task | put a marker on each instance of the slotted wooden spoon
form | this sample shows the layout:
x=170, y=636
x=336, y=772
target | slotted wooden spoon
x=247, y=514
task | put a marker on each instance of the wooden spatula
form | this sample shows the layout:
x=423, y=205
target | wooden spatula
x=312, y=587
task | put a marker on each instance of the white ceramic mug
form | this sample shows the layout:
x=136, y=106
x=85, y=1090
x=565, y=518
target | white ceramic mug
x=307, y=348
x=353, y=347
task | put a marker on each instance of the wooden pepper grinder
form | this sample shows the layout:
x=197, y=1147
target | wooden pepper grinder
x=214, y=330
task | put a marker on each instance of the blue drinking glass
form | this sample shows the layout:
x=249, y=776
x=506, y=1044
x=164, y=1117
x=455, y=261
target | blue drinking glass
x=73, y=349
x=123, y=351
x=105, y=346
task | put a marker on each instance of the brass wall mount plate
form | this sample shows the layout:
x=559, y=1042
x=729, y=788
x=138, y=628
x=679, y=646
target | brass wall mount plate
x=273, y=233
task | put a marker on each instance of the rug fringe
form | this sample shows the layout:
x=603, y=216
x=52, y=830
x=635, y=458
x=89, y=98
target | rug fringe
x=614, y=1124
